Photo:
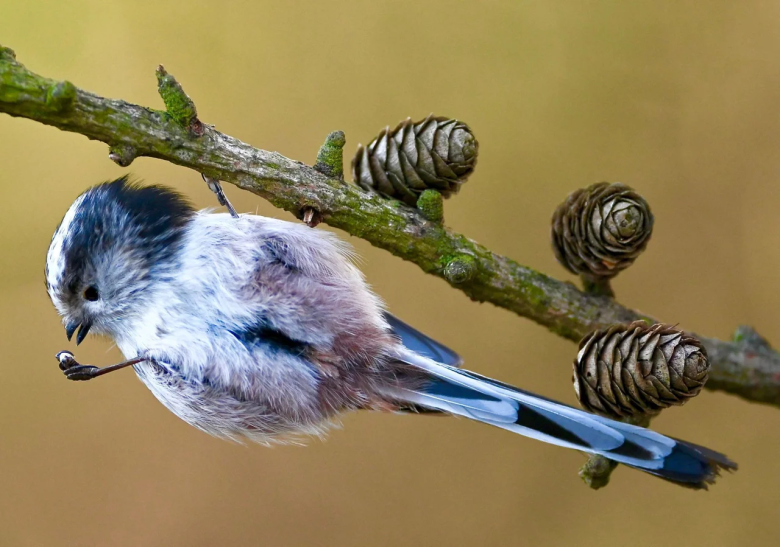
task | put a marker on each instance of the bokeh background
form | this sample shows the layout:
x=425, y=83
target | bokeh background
x=678, y=99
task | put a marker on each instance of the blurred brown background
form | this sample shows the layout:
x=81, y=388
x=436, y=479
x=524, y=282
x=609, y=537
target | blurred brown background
x=678, y=99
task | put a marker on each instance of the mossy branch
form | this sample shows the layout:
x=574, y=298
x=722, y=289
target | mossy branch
x=747, y=366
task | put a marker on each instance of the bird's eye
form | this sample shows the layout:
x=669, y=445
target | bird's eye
x=91, y=293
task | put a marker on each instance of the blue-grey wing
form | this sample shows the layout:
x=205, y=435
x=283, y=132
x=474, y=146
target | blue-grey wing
x=416, y=341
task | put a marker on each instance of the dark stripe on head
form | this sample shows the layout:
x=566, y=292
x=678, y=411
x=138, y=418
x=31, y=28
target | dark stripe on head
x=155, y=211
x=144, y=219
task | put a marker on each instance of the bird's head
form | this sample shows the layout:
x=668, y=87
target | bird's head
x=114, y=242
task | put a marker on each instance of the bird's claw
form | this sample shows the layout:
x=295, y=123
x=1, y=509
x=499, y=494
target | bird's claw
x=73, y=369
x=66, y=360
x=80, y=372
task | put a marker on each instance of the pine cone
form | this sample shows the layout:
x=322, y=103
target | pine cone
x=630, y=370
x=437, y=153
x=600, y=230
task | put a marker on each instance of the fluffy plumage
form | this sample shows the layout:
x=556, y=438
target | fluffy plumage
x=260, y=329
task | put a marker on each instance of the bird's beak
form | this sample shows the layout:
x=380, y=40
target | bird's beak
x=85, y=326
x=70, y=328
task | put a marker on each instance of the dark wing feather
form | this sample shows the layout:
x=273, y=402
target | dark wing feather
x=416, y=341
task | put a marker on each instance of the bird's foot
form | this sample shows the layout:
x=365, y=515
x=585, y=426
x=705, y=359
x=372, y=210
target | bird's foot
x=73, y=369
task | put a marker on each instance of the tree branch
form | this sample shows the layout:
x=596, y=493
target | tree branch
x=747, y=366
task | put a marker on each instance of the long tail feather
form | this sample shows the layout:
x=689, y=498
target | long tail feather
x=465, y=393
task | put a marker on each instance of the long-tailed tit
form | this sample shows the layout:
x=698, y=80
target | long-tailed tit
x=260, y=329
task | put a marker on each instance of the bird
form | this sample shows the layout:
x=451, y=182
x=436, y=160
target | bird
x=251, y=328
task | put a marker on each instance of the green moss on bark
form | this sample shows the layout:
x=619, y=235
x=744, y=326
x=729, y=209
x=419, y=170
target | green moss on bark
x=60, y=96
x=330, y=158
x=7, y=54
x=431, y=205
x=178, y=105
x=460, y=269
